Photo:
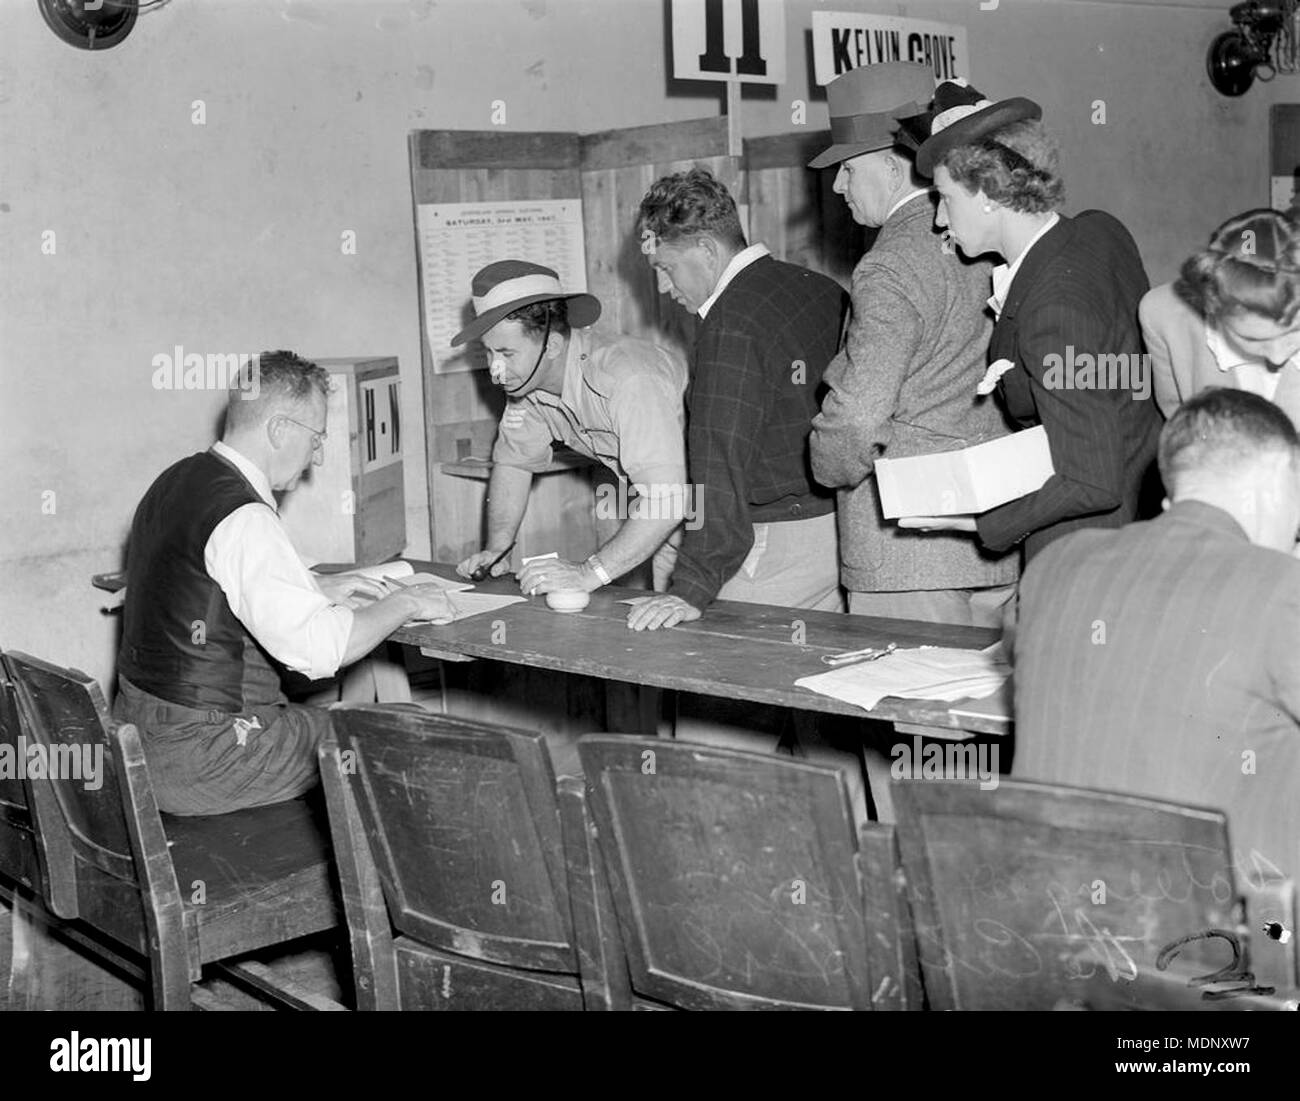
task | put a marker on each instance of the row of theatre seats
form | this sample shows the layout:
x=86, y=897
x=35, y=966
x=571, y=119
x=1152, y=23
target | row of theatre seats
x=673, y=876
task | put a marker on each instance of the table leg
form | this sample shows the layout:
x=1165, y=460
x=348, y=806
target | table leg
x=877, y=764
x=632, y=708
x=377, y=678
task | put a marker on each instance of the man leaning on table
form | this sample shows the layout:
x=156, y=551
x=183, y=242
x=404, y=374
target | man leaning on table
x=617, y=401
x=218, y=600
x=905, y=381
x=767, y=331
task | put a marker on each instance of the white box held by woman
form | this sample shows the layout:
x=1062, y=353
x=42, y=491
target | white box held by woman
x=971, y=480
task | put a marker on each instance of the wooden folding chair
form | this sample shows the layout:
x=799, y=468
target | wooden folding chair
x=740, y=882
x=159, y=896
x=19, y=855
x=1029, y=895
x=466, y=876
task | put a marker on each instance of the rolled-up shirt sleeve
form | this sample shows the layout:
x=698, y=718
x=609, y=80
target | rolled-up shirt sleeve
x=523, y=438
x=272, y=592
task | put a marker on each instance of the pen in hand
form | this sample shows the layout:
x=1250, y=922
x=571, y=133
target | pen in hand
x=484, y=572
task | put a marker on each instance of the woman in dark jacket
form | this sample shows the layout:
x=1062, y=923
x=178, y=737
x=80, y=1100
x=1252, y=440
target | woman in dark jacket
x=1066, y=351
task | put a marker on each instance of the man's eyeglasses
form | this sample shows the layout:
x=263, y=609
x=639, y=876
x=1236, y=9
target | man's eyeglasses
x=317, y=437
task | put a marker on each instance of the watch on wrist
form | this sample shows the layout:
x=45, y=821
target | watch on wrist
x=598, y=568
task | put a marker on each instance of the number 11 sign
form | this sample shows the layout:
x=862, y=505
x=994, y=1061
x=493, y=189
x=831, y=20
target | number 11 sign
x=739, y=41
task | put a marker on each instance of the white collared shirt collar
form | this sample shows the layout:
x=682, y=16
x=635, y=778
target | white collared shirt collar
x=906, y=199
x=1225, y=355
x=1248, y=373
x=1004, y=274
x=1228, y=357
x=255, y=477
x=739, y=263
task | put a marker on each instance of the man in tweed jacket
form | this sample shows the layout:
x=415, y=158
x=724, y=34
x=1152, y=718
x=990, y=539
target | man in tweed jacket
x=905, y=381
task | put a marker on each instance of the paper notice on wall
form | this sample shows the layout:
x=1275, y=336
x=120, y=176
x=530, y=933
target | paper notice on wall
x=972, y=480
x=456, y=240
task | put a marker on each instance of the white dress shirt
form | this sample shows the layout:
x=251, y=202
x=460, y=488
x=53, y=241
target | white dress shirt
x=269, y=587
x=1005, y=274
x=1250, y=374
x=739, y=263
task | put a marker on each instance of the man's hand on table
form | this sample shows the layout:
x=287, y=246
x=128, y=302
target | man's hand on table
x=342, y=587
x=939, y=523
x=553, y=575
x=484, y=558
x=427, y=602
x=661, y=611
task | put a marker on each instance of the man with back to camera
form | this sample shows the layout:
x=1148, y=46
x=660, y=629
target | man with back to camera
x=217, y=598
x=1161, y=658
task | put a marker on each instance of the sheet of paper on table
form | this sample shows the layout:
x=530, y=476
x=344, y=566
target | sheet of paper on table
x=403, y=573
x=970, y=480
x=927, y=673
x=463, y=605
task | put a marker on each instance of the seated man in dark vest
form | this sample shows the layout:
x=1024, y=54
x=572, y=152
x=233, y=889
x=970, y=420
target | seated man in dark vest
x=216, y=596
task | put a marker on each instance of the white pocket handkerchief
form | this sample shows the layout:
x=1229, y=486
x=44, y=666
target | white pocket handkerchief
x=997, y=369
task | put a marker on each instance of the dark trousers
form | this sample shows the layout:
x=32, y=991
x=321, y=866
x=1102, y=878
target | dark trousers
x=210, y=762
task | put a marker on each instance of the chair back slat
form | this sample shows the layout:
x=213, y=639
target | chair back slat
x=1022, y=894
x=464, y=828
x=83, y=835
x=19, y=860
x=70, y=720
x=891, y=937
x=733, y=874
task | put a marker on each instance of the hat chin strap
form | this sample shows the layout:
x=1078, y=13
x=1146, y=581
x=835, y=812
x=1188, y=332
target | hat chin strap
x=545, y=340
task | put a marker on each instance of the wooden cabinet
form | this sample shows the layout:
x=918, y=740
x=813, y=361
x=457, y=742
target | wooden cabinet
x=352, y=507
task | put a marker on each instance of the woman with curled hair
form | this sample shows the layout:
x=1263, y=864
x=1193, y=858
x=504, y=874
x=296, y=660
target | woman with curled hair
x=1066, y=352
x=1232, y=318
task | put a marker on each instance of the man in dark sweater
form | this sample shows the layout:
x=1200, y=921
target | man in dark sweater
x=767, y=331
x=216, y=598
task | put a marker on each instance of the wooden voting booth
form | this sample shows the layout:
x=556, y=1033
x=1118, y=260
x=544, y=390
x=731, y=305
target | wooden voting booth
x=790, y=209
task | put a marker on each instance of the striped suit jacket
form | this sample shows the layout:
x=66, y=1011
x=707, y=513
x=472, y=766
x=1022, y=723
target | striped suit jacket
x=1161, y=660
x=1076, y=296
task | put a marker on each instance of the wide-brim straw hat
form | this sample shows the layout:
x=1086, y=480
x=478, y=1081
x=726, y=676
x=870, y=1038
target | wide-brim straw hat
x=506, y=285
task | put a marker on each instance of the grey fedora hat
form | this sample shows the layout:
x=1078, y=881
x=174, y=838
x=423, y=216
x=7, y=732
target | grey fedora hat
x=866, y=104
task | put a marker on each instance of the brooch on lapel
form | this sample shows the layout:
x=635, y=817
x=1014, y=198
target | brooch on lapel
x=989, y=382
